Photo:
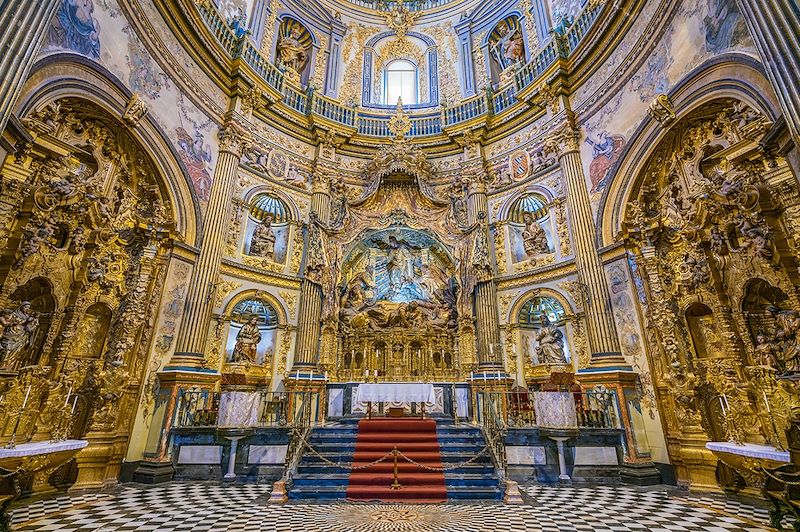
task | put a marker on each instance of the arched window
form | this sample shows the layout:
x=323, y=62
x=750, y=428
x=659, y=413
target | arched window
x=401, y=81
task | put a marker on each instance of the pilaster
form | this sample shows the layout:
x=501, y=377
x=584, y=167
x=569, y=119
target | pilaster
x=24, y=26
x=775, y=27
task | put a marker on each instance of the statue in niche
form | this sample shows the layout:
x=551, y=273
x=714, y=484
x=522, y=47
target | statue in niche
x=247, y=342
x=509, y=48
x=788, y=322
x=263, y=241
x=551, y=344
x=19, y=331
x=291, y=53
x=533, y=237
x=710, y=338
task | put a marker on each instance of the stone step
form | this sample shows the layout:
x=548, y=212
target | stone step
x=340, y=492
x=343, y=479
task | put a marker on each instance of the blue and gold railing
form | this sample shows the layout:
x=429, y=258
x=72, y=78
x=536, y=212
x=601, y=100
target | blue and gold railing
x=375, y=122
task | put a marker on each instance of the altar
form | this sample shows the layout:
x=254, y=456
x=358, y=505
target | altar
x=397, y=395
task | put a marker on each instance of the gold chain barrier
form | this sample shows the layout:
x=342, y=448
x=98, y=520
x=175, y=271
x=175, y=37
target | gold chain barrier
x=393, y=453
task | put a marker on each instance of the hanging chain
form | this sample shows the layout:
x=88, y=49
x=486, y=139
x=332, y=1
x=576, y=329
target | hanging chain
x=383, y=458
x=773, y=477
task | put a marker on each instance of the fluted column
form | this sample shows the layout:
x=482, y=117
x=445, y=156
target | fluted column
x=602, y=332
x=487, y=319
x=199, y=301
x=24, y=24
x=775, y=27
x=309, y=321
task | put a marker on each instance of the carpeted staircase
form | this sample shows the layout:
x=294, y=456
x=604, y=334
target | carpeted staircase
x=417, y=440
x=337, y=442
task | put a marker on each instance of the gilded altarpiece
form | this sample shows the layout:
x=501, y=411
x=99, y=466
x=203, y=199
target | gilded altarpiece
x=712, y=227
x=400, y=276
x=87, y=232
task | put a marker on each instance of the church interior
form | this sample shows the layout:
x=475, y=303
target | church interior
x=424, y=265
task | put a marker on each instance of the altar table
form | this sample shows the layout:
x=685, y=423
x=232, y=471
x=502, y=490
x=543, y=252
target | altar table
x=396, y=392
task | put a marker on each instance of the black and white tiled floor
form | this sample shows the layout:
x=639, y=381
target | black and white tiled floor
x=212, y=507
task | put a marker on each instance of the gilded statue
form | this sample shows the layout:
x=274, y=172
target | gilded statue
x=19, y=330
x=551, y=344
x=247, y=342
x=767, y=352
x=788, y=322
x=360, y=290
x=399, y=264
x=533, y=237
x=263, y=241
x=291, y=53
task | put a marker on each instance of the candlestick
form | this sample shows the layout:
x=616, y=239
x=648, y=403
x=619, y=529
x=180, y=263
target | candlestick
x=722, y=404
x=27, y=394
x=326, y=375
x=766, y=402
x=66, y=399
x=74, y=403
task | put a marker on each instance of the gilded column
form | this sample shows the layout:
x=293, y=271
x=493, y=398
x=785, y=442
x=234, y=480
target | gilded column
x=775, y=27
x=487, y=320
x=310, y=312
x=602, y=334
x=24, y=26
x=199, y=301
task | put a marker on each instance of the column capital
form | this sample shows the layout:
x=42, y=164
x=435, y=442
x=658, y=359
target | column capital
x=234, y=138
x=565, y=139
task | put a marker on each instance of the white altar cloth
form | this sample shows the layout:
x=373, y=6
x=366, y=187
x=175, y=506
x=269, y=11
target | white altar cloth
x=238, y=409
x=396, y=392
x=750, y=450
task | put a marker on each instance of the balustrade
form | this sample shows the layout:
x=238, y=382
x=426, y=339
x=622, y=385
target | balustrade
x=378, y=126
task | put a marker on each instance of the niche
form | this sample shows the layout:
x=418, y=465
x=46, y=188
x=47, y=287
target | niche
x=543, y=332
x=705, y=334
x=92, y=332
x=252, y=333
x=267, y=229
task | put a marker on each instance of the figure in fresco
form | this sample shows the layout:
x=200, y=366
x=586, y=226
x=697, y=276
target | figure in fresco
x=247, y=342
x=195, y=154
x=551, y=344
x=263, y=241
x=291, y=53
x=76, y=28
x=533, y=237
x=724, y=26
x=606, y=150
x=19, y=331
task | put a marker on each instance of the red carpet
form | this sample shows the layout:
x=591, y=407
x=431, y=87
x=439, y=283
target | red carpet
x=413, y=437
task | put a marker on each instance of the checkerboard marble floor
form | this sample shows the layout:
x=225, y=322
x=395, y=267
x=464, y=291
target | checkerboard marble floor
x=214, y=507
